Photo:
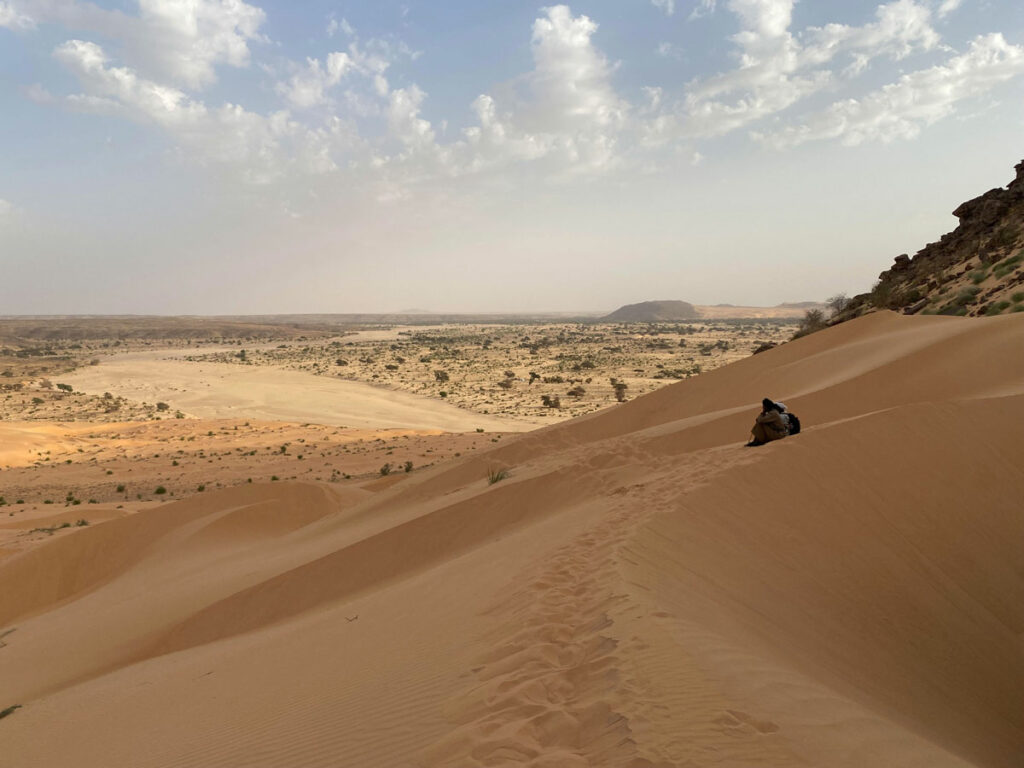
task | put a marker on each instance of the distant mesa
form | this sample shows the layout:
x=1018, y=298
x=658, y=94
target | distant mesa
x=653, y=312
x=800, y=304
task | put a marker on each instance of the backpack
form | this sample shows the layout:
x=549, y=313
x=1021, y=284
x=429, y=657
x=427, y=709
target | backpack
x=794, y=424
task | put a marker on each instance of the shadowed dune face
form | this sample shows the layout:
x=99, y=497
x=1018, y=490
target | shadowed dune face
x=639, y=591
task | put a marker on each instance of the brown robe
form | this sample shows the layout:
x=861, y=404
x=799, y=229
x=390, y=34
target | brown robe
x=770, y=426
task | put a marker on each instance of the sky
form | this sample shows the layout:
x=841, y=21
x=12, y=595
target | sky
x=231, y=157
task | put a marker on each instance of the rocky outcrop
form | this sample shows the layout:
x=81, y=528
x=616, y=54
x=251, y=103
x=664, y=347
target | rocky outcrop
x=978, y=268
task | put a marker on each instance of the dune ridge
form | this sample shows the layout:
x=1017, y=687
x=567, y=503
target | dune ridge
x=640, y=591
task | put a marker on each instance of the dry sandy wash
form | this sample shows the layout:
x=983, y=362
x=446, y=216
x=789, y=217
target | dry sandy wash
x=640, y=591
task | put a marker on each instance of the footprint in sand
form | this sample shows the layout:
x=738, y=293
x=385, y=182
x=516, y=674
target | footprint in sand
x=733, y=718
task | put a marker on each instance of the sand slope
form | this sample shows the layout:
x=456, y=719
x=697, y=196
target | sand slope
x=220, y=391
x=640, y=591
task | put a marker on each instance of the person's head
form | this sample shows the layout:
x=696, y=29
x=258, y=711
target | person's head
x=767, y=405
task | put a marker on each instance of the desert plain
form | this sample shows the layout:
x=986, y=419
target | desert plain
x=461, y=544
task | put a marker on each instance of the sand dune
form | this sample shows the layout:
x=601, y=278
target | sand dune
x=640, y=591
x=219, y=391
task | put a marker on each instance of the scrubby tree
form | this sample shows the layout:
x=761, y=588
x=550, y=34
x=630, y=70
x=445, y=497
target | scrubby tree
x=813, y=320
x=620, y=390
x=837, y=303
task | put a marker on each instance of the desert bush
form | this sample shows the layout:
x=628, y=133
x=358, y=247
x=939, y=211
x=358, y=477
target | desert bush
x=162, y=407
x=160, y=490
x=551, y=401
x=440, y=375
x=65, y=388
x=620, y=388
x=385, y=470
x=496, y=475
x=1004, y=267
x=407, y=466
x=577, y=391
x=813, y=321
x=837, y=303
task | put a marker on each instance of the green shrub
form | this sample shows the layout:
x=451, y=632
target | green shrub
x=160, y=490
x=997, y=309
x=1002, y=269
x=496, y=475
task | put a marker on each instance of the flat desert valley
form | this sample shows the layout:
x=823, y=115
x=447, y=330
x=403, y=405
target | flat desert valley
x=490, y=543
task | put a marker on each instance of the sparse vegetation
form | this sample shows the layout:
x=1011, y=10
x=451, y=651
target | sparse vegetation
x=496, y=475
x=814, y=320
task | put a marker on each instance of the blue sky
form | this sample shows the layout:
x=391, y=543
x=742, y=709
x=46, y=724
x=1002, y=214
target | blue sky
x=221, y=156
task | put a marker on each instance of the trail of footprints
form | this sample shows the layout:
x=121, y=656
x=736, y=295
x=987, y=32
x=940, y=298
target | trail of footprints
x=544, y=691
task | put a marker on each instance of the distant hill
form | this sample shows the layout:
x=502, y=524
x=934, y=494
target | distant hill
x=800, y=304
x=653, y=312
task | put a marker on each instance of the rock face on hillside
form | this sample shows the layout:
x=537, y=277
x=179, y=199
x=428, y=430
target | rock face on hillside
x=977, y=269
x=653, y=312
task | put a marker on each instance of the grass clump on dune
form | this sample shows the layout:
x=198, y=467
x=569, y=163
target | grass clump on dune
x=496, y=475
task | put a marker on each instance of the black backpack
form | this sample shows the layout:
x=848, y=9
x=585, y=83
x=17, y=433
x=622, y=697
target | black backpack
x=794, y=424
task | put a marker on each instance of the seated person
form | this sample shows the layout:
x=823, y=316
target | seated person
x=771, y=424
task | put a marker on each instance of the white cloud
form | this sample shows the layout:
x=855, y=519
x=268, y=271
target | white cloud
x=5, y=208
x=262, y=147
x=777, y=69
x=405, y=121
x=702, y=8
x=571, y=81
x=308, y=87
x=901, y=109
x=181, y=40
x=668, y=51
x=37, y=93
x=188, y=38
x=948, y=6
x=668, y=6
x=901, y=28
x=333, y=25
x=13, y=18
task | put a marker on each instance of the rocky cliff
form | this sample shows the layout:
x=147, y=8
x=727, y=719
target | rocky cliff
x=977, y=269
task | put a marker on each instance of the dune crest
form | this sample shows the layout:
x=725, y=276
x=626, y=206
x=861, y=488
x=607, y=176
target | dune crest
x=639, y=591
